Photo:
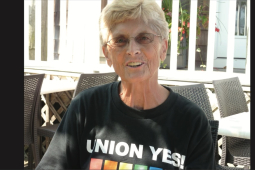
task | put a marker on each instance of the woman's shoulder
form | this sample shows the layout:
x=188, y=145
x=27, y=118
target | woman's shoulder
x=191, y=115
x=188, y=109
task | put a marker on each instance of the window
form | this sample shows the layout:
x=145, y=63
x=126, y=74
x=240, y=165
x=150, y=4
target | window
x=241, y=17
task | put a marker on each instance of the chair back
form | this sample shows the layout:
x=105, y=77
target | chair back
x=230, y=96
x=198, y=95
x=90, y=80
x=32, y=89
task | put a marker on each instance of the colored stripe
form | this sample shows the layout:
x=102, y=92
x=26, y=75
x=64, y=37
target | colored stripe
x=125, y=166
x=155, y=168
x=95, y=164
x=140, y=167
x=110, y=165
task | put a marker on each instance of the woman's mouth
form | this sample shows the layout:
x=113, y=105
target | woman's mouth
x=134, y=64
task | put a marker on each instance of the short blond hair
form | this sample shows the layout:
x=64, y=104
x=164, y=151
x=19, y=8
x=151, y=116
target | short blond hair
x=121, y=10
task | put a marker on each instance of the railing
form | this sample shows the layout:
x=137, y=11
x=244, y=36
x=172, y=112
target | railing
x=78, y=41
x=79, y=45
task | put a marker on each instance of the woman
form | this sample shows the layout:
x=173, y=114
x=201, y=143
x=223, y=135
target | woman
x=134, y=123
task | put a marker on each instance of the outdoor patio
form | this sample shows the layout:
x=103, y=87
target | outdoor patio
x=59, y=45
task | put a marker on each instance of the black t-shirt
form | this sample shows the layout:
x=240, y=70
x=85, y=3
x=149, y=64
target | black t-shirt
x=99, y=131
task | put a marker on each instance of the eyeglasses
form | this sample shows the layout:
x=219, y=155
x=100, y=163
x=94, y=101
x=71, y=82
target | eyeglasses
x=121, y=41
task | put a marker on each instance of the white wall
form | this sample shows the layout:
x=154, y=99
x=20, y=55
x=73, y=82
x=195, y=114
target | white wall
x=221, y=39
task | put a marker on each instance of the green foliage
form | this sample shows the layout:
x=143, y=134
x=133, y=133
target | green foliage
x=184, y=23
x=184, y=20
x=162, y=65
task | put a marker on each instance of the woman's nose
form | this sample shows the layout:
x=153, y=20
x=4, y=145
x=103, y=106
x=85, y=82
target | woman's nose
x=133, y=47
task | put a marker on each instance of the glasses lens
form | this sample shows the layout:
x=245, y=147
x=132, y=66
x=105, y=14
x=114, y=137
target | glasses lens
x=118, y=41
x=144, y=38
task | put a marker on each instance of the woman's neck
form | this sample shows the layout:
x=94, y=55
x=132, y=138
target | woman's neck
x=142, y=95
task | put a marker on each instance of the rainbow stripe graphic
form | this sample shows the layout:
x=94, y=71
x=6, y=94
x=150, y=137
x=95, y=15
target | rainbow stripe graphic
x=97, y=164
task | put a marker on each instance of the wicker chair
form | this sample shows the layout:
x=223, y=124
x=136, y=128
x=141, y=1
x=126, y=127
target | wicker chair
x=231, y=100
x=198, y=95
x=32, y=88
x=214, y=130
x=90, y=80
x=85, y=81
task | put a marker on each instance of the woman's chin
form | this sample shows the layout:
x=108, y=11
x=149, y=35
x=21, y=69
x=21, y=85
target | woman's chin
x=136, y=78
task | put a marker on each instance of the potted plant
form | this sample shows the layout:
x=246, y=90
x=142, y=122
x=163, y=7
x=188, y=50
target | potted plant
x=183, y=28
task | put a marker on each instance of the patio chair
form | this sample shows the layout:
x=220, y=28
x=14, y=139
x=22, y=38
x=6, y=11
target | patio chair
x=85, y=81
x=32, y=88
x=198, y=95
x=231, y=100
x=90, y=80
x=214, y=131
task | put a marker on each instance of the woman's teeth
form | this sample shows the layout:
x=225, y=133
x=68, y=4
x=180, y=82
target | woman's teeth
x=134, y=64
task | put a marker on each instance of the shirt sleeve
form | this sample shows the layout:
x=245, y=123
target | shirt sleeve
x=201, y=148
x=63, y=151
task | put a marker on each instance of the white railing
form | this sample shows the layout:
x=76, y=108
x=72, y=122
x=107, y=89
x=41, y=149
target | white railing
x=209, y=74
x=79, y=48
x=211, y=36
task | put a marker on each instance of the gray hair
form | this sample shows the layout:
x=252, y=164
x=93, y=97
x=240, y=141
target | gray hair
x=121, y=10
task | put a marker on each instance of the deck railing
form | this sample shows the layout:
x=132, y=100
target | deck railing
x=78, y=46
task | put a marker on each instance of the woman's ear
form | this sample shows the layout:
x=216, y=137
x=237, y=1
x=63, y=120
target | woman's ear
x=106, y=54
x=164, y=48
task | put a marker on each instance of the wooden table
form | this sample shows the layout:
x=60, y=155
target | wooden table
x=237, y=125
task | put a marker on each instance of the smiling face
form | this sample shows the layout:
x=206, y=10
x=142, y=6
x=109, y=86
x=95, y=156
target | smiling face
x=135, y=62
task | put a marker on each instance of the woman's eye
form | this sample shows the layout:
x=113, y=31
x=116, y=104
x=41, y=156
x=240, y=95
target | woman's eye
x=120, y=40
x=144, y=38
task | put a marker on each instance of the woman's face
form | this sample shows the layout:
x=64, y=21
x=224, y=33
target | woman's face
x=135, y=62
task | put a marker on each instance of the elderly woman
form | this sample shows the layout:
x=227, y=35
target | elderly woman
x=134, y=123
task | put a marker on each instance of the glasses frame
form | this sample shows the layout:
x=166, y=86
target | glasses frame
x=134, y=39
